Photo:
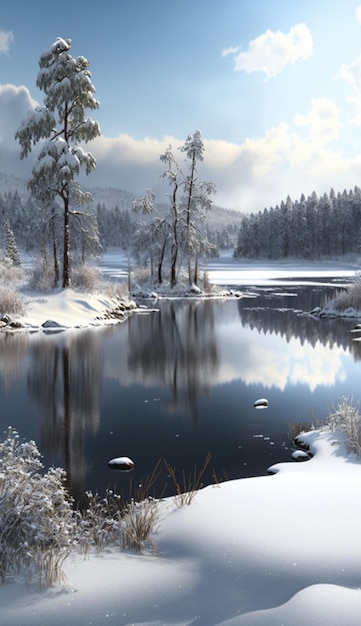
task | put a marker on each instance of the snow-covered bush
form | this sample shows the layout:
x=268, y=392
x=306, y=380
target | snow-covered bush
x=86, y=277
x=10, y=300
x=8, y=271
x=345, y=417
x=41, y=276
x=36, y=515
x=99, y=525
x=39, y=527
x=349, y=298
x=116, y=289
x=113, y=522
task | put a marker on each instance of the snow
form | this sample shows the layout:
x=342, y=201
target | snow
x=230, y=271
x=68, y=308
x=281, y=549
x=272, y=550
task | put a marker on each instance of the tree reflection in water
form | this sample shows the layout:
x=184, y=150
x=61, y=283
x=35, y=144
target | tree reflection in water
x=64, y=378
x=262, y=314
x=176, y=346
x=205, y=363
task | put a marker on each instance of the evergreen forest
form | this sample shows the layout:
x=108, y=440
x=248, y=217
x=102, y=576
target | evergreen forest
x=310, y=228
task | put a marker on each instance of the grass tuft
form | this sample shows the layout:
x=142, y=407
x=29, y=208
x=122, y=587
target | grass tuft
x=188, y=485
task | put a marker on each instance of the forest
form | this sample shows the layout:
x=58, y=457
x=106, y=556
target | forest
x=110, y=216
x=310, y=228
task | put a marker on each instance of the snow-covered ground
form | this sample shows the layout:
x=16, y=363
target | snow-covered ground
x=282, y=549
x=68, y=308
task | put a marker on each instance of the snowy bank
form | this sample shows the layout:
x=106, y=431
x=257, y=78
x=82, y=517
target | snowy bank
x=67, y=308
x=281, y=549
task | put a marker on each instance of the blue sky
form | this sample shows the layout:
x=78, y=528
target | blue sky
x=273, y=85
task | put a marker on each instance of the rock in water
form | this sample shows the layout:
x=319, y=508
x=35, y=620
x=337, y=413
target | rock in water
x=262, y=403
x=122, y=463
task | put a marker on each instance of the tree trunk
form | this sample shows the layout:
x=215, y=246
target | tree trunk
x=196, y=270
x=55, y=252
x=66, y=253
x=173, y=270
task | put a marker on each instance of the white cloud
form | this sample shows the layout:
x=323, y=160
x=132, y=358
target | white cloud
x=358, y=13
x=291, y=158
x=227, y=51
x=352, y=73
x=15, y=102
x=6, y=37
x=356, y=100
x=323, y=120
x=252, y=175
x=272, y=51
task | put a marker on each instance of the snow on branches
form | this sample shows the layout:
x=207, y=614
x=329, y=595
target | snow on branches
x=59, y=127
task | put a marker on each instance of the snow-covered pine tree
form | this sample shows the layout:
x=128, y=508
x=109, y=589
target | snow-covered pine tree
x=11, y=251
x=60, y=126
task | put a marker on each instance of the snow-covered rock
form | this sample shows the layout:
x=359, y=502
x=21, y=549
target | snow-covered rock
x=262, y=403
x=121, y=463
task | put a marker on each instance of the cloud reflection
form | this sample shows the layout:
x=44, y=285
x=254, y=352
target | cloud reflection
x=274, y=362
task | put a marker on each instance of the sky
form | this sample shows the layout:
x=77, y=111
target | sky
x=274, y=86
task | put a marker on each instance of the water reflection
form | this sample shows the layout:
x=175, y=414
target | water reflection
x=177, y=346
x=63, y=376
x=264, y=315
x=82, y=394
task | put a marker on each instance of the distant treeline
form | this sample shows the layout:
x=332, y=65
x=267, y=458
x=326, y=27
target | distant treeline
x=110, y=224
x=309, y=228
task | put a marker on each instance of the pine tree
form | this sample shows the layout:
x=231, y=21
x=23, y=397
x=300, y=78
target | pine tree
x=11, y=252
x=61, y=125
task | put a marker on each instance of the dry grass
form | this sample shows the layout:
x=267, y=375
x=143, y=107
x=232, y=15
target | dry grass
x=189, y=484
x=345, y=417
x=296, y=428
x=127, y=521
x=139, y=523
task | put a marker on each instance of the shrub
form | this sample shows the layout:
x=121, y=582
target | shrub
x=10, y=300
x=99, y=525
x=345, y=417
x=9, y=272
x=116, y=289
x=113, y=521
x=349, y=298
x=139, y=523
x=86, y=277
x=41, y=277
x=36, y=515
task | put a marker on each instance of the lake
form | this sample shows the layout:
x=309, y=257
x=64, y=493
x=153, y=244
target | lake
x=179, y=382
